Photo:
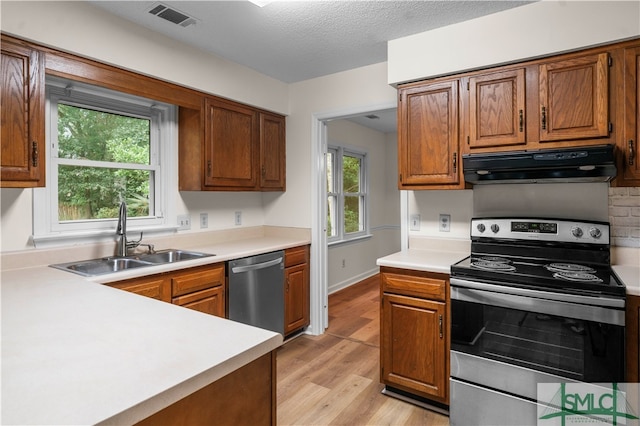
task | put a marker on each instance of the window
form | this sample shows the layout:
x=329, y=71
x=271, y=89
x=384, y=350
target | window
x=346, y=194
x=103, y=147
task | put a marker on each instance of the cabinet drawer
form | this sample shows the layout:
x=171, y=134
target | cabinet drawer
x=296, y=256
x=154, y=287
x=419, y=285
x=207, y=277
x=210, y=301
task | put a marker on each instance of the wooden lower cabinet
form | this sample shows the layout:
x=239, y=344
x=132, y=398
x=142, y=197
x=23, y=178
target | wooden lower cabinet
x=201, y=288
x=246, y=396
x=632, y=331
x=296, y=289
x=414, y=333
x=155, y=286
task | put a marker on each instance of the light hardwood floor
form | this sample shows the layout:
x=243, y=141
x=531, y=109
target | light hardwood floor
x=334, y=379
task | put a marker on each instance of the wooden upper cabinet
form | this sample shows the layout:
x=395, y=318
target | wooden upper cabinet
x=272, y=152
x=629, y=173
x=497, y=109
x=574, y=98
x=22, y=133
x=231, y=135
x=428, y=138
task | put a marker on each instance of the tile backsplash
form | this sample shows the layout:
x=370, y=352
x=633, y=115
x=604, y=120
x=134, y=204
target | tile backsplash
x=624, y=216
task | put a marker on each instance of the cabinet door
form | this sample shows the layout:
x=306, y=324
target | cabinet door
x=156, y=287
x=231, y=145
x=210, y=301
x=574, y=98
x=632, y=339
x=631, y=114
x=296, y=297
x=428, y=134
x=414, y=345
x=272, y=152
x=497, y=109
x=23, y=137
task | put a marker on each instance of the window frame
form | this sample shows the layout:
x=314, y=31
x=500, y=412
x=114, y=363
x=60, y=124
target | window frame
x=339, y=152
x=163, y=140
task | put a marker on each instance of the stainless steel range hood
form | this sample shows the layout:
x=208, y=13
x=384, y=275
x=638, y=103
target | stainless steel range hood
x=582, y=164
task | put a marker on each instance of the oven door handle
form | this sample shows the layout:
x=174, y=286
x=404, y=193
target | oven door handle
x=527, y=300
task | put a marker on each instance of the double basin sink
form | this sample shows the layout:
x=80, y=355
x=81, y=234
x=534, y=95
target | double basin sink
x=108, y=265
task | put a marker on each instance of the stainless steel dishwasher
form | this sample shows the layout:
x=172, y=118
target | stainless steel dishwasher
x=256, y=291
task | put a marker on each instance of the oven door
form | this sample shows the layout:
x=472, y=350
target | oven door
x=540, y=331
x=506, y=340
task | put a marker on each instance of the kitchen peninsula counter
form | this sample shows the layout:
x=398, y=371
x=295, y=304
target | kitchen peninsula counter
x=78, y=352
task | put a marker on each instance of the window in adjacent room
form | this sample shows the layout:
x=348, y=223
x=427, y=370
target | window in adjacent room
x=346, y=194
x=104, y=147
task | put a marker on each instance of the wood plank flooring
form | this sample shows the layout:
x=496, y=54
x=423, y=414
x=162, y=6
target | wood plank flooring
x=334, y=379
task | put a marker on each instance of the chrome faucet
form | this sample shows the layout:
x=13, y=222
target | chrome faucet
x=121, y=231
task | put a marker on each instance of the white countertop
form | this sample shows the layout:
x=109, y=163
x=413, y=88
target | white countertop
x=630, y=276
x=423, y=260
x=78, y=352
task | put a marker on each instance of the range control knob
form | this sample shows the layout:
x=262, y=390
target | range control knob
x=481, y=228
x=595, y=232
x=495, y=228
x=576, y=231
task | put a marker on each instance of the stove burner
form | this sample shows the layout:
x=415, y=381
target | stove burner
x=577, y=277
x=495, y=259
x=501, y=265
x=569, y=268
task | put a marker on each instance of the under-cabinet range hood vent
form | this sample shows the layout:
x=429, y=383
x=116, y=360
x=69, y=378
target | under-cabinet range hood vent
x=172, y=15
x=580, y=164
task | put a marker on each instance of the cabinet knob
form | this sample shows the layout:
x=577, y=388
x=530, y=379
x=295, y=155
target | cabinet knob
x=440, y=325
x=544, y=118
x=209, y=168
x=631, y=152
x=455, y=162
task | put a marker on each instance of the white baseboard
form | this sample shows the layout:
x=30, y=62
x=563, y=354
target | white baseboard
x=353, y=280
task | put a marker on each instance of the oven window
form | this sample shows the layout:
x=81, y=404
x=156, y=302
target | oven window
x=571, y=348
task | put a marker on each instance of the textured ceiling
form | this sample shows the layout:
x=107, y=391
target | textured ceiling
x=297, y=40
x=293, y=41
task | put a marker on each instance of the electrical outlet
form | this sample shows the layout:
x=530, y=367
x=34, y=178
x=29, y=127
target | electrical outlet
x=444, y=223
x=238, y=218
x=184, y=222
x=204, y=220
x=415, y=222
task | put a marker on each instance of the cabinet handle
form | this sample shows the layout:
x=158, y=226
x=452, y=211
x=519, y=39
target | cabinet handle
x=287, y=285
x=521, y=121
x=631, y=152
x=34, y=153
x=209, y=168
x=440, y=324
x=544, y=118
x=455, y=161
x=264, y=172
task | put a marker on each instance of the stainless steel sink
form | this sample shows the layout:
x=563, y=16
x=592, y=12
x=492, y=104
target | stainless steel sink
x=172, y=255
x=102, y=266
x=108, y=265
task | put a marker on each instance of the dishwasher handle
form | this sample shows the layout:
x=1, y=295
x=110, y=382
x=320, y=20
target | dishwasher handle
x=248, y=268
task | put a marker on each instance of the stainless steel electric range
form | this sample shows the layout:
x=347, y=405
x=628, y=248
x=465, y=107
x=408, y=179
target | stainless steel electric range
x=536, y=302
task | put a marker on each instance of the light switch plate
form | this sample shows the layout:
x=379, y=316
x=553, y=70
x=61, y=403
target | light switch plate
x=184, y=222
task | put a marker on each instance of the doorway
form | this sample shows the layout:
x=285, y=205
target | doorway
x=364, y=116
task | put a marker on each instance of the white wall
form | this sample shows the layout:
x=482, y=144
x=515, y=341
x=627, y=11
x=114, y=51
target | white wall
x=524, y=32
x=360, y=256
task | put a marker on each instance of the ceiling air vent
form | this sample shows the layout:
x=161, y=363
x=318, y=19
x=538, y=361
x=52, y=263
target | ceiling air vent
x=172, y=15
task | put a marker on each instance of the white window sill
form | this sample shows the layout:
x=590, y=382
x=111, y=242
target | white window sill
x=350, y=240
x=98, y=236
